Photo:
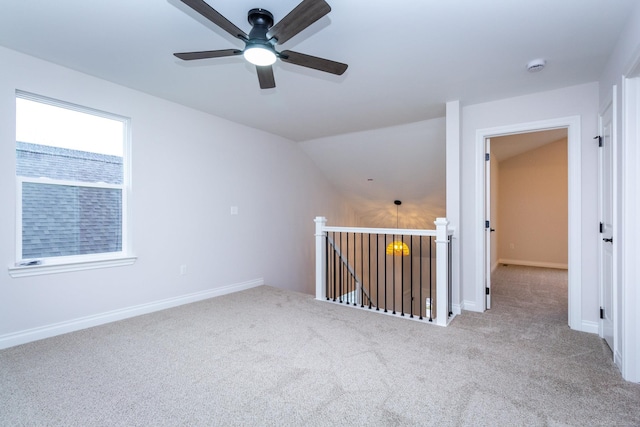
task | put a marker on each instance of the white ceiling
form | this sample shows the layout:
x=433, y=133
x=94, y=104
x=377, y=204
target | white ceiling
x=406, y=58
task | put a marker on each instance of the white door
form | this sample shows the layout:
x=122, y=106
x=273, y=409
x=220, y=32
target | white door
x=487, y=224
x=606, y=224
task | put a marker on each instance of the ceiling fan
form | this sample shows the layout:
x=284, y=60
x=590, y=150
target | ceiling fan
x=260, y=43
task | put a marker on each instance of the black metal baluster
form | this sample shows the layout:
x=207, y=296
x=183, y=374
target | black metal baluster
x=385, y=275
x=341, y=264
x=355, y=271
x=411, y=277
x=393, y=270
x=345, y=271
x=421, y=300
x=346, y=265
x=333, y=264
x=335, y=268
x=361, y=270
x=369, y=268
x=377, y=273
x=402, y=276
x=326, y=266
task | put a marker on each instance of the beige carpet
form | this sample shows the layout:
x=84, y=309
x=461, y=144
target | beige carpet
x=271, y=357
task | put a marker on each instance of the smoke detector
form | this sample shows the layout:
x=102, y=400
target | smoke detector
x=536, y=65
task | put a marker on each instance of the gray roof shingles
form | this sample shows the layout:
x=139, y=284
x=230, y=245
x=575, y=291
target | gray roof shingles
x=68, y=220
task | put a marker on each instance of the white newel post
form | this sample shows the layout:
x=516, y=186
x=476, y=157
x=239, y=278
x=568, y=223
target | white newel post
x=321, y=255
x=442, y=271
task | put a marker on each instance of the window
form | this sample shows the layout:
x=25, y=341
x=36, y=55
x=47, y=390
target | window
x=72, y=182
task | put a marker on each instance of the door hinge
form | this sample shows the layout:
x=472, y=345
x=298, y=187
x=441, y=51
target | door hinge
x=487, y=291
x=601, y=313
x=487, y=157
x=599, y=138
x=486, y=224
x=601, y=227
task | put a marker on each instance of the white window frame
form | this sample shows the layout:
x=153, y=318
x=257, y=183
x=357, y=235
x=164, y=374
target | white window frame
x=61, y=264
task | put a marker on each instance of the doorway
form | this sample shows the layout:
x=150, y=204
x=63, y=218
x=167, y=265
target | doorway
x=526, y=200
x=572, y=125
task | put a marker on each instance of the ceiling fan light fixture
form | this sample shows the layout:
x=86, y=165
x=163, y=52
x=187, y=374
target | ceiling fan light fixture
x=260, y=55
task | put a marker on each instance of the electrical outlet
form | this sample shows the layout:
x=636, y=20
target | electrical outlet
x=234, y=210
x=183, y=269
x=512, y=246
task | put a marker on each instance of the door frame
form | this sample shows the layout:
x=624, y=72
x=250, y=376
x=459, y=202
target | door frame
x=627, y=351
x=487, y=217
x=574, y=154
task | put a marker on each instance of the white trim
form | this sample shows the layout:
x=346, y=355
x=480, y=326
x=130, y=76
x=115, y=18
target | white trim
x=572, y=124
x=456, y=308
x=321, y=257
x=589, y=326
x=442, y=272
x=453, y=140
x=67, y=183
x=542, y=264
x=471, y=306
x=47, y=331
x=82, y=262
x=627, y=358
x=390, y=231
x=68, y=264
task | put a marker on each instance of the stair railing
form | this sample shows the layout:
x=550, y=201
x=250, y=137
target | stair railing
x=337, y=277
x=359, y=295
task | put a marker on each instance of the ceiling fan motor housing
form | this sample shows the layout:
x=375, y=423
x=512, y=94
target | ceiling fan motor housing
x=261, y=20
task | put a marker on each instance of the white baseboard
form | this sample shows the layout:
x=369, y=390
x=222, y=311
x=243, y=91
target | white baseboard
x=456, y=308
x=589, y=326
x=534, y=263
x=471, y=306
x=47, y=331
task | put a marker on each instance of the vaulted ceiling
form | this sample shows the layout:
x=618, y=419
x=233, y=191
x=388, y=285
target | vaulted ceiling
x=406, y=59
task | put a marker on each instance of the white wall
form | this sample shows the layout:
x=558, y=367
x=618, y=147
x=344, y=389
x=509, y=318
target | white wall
x=624, y=57
x=580, y=101
x=533, y=207
x=189, y=168
x=405, y=162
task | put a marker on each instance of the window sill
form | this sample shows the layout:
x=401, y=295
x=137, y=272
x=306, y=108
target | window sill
x=67, y=266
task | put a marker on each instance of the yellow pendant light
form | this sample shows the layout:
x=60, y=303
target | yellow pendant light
x=397, y=247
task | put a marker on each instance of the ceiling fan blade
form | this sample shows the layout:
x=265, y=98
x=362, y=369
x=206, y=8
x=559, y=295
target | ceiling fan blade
x=189, y=56
x=314, y=62
x=265, y=77
x=305, y=14
x=214, y=16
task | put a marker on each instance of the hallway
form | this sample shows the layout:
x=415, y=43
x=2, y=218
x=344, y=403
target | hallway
x=534, y=291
